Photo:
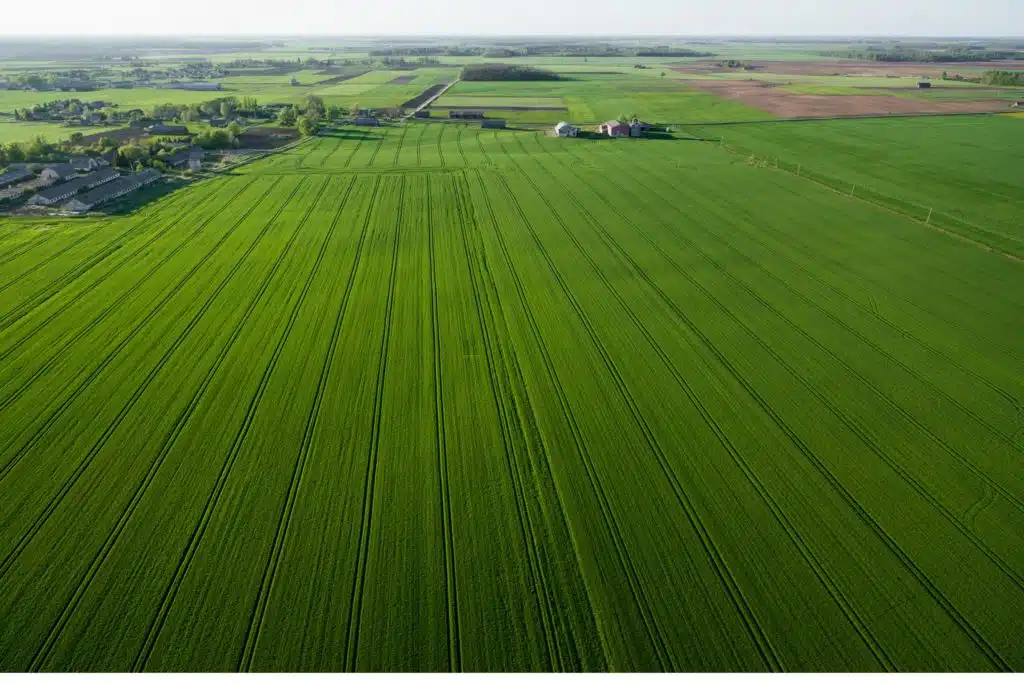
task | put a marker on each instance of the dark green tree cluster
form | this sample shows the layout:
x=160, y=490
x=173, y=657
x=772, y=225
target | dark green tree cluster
x=506, y=72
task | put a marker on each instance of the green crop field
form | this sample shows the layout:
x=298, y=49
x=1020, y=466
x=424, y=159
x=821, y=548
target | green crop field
x=431, y=397
x=964, y=170
x=24, y=131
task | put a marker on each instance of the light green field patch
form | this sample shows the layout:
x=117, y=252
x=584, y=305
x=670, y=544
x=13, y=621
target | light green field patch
x=488, y=102
x=53, y=132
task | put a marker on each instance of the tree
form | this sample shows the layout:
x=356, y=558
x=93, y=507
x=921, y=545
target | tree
x=286, y=117
x=76, y=138
x=315, y=108
x=15, y=153
x=227, y=108
x=663, y=74
x=234, y=129
x=334, y=113
x=131, y=154
x=306, y=126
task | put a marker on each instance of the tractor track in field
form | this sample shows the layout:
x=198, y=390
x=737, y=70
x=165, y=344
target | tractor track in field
x=58, y=284
x=365, y=528
x=337, y=145
x=691, y=246
x=55, y=415
x=167, y=444
x=440, y=152
x=858, y=429
x=310, y=148
x=398, y=150
x=766, y=649
x=355, y=148
x=419, y=145
x=1012, y=400
x=376, y=151
x=284, y=525
x=30, y=244
x=525, y=522
x=444, y=477
x=813, y=561
x=196, y=537
x=458, y=144
x=526, y=423
x=54, y=256
x=91, y=325
x=923, y=580
x=483, y=151
x=638, y=594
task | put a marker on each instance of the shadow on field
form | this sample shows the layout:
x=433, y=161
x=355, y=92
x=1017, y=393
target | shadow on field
x=143, y=196
x=649, y=135
x=350, y=135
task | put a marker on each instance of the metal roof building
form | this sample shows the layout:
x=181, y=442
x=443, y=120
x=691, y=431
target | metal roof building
x=59, y=193
x=15, y=175
x=112, y=191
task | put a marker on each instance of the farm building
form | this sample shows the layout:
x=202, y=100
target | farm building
x=112, y=191
x=637, y=128
x=13, y=176
x=566, y=130
x=924, y=84
x=58, y=172
x=1018, y=103
x=614, y=129
x=366, y=121
x=492, y=123
x=184, y=157
x=58, y=193
x=195, y=159
x=164, y=129
x=85, y=163
x=422, y=114
x=465, y=114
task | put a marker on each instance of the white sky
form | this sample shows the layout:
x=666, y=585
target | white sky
x=514, y=17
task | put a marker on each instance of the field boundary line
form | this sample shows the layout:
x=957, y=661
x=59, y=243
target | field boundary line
x=398, y=149
x=337, y=146
x=284, y=524
x=377, y=149
x=55, y=415
x=195, y=539
x=366, y=523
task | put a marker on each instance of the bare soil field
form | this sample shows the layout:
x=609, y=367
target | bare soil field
x=784, y=104
x=849, y=67
x=267, y=137
x=423, y=96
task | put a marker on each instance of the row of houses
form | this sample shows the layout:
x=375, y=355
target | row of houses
x=52, y=173
x=112, y=190
x=59, y=193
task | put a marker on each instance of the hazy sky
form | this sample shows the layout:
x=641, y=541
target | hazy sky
x=564, y=17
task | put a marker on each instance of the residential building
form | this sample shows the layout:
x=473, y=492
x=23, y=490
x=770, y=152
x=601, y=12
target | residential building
x=59, y=193
x=111, y=191
x=637, y=128
x=83, y=163
x=422, y=114
x=565, y=129
x=15, y=175
x=58, y=172
x=614, y=129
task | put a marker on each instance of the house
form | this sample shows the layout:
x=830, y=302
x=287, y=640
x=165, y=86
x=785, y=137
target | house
x=565, y=129
x=184, y=157
x=924, y=84
x=366, y=121
x=164, y=129
x=422, y=114
x=1018, y=104
x=111, y=191
x=195, y=159
x=58, y=172
x=614, y=129
x=14, y=176
x=465, y=114
x=59, y=193
x=93, y=119
x=492, y=123
x=637, y=128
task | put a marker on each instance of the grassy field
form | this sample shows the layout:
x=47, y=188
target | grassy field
x=432, y=398
x=23, y=131
x=965, y=170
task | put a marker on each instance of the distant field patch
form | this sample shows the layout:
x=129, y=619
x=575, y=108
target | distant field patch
x=404, y=80
x=510, y=103
x=11, y=131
